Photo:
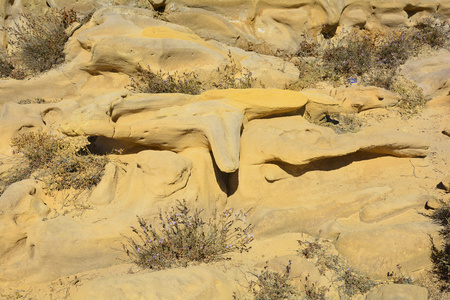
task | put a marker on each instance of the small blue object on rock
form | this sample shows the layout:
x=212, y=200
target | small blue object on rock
x=352, y=80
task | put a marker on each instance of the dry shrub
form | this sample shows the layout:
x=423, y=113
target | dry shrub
x=60, y=162
x=184, y=236
x=146, y=81
x=372, y=58
x=433, y=33
x=38, y=41
x=349, y=281
x=440, y=255
x=311, y=73
x=32, y=101
x=351, y=56
x=233, y=77
x=273, y=285
x=6, y=68
x=230, y=77
x=412, y=99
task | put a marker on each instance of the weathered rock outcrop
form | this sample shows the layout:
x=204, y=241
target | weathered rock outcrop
x=368, y=192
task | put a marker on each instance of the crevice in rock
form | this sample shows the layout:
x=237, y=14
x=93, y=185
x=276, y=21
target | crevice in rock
x=159, y=7
x=411, y=10
x=296, y=112
x=329, y=119
x=221, y=177
x=329, y=31
x=101, y=145
x=326, y=164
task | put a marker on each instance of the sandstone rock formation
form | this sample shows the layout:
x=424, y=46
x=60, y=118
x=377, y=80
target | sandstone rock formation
x=366, y=193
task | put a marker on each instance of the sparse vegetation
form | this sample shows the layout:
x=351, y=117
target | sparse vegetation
x=184, y=236
x=273, y=285
x=412, y=99
x=60, y=162
x=38, y=42
x=31, y=101
x=311, y=72
x=233, y=77
x=6, y=68
x=440, y=255
x=277, y=285
x=230, y=76
x=350, y=282
x=371, y=58
x=351, y=56
x=397, y=277
x=313, y=291
x=146, y=81
x=433, y=33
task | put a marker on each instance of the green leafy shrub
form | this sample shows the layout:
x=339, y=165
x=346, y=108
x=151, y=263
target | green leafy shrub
x=61, y=163
x=273, y=285
x=149, y=82
x=39, y=40
x=441, y=256
x=184, y=236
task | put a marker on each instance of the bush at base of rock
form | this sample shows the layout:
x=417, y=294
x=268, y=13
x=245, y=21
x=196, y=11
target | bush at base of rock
x=229, y=77
x=441, y=256
x=61, y=163
x=273, y=285
x=38, y=41
x=184, y=236
x=147, y=81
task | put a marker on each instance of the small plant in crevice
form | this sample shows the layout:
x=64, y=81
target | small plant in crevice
x=350, y=282
x=147, y=81
x=440, y=255
x=343, y=123
x=314, y=292
x=184, y=236
x=397, y=277
x=31, y=101
x=59, y=162
x=273, y=285
x=233, y=77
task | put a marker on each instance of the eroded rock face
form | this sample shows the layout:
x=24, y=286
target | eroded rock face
x=431, y=74
x=366, y=192
x=193, y=283
x=398, y=291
